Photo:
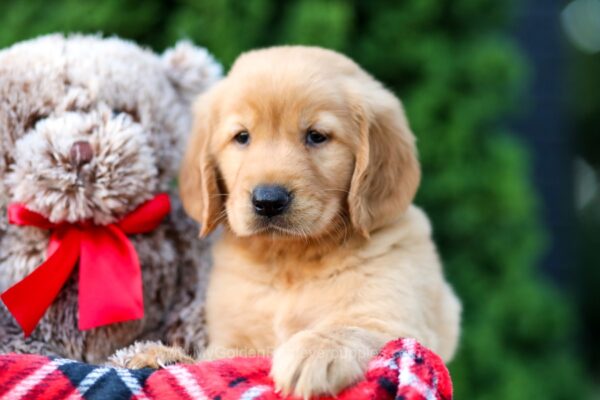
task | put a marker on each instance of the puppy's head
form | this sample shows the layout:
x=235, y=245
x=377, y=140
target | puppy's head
x=298, y=141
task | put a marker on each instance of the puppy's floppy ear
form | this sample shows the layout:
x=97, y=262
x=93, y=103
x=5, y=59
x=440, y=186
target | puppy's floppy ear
x=386, y=173
x=198, y=185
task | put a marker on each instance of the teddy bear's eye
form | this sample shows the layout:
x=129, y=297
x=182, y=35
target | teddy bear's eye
x=133, y=113
x=32, y=120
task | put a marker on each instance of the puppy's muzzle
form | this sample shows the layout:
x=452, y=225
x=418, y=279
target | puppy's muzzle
x=270, y=200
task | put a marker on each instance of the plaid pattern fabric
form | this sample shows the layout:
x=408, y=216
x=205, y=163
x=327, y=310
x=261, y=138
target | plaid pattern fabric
x=403, y=370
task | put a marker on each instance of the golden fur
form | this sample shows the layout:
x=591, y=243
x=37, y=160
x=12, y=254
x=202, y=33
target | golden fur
x=351, y=264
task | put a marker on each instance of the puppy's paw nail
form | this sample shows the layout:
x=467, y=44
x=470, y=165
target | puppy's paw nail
x=148, y=355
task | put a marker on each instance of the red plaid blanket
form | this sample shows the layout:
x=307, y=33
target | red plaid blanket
x=403, y=370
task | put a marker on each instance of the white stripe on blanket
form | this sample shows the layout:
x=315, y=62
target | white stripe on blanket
x=187, y=382
x=407, y=378
x=89, y=381
x=132, y=383
x=254, y=392
x=21, y=390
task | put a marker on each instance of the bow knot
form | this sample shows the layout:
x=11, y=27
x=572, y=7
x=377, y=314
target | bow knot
x=110, y=279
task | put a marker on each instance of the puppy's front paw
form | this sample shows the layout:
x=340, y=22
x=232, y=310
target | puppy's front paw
x=314, y=363
x=148, y=355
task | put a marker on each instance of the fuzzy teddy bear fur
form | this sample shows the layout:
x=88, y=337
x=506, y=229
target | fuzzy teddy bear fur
x=133, y=107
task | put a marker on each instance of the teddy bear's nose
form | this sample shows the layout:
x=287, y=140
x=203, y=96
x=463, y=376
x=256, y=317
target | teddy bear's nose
x=81, y=153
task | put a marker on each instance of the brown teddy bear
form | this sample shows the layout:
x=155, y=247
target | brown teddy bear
x=91, y=135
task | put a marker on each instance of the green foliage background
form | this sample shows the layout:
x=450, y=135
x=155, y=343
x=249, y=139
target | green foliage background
x=458, y=74
x=585, y=110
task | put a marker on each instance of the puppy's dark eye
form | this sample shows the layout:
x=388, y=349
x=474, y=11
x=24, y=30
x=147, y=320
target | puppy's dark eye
x=242, y=138
x=314, y=138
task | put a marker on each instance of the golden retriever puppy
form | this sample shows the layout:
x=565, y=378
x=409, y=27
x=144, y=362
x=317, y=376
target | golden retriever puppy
x=310, y=166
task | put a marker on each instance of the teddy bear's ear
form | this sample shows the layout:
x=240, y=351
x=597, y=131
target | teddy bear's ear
x=191, y=69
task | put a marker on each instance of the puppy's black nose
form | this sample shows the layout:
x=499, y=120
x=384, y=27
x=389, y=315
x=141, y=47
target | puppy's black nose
x=81, y=153
x=270, y=201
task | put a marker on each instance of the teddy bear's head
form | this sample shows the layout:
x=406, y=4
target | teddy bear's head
x=91, y=127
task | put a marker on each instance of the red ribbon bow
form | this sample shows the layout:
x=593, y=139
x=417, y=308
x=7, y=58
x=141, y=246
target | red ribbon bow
x=110, y=278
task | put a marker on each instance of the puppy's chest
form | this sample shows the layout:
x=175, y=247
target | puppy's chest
x=269, y=303
x=270, y=314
